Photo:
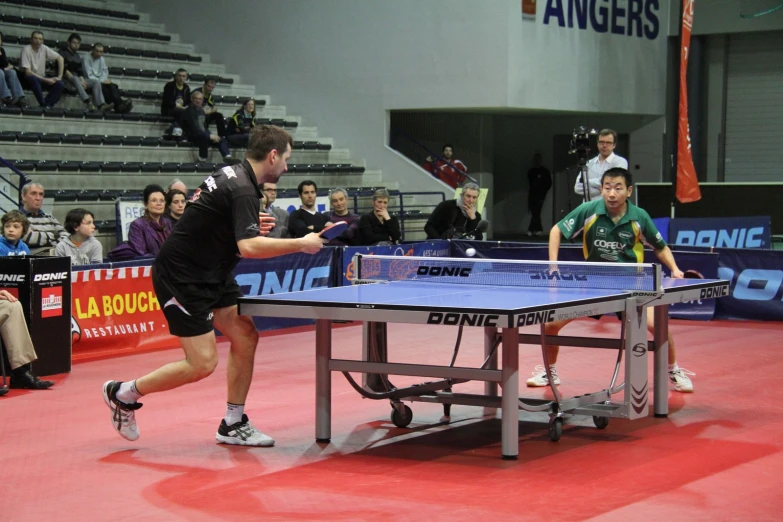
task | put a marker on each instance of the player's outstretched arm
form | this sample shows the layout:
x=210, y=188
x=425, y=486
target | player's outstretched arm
x=666, y=257
x=264, y=247
x=554, y=242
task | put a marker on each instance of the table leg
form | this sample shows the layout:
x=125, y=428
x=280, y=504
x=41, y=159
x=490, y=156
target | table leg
x=490, y=335
x=323, y=380
x=510, y=399
x=661, y=362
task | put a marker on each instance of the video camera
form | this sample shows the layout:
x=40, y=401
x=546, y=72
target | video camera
x=580, y=144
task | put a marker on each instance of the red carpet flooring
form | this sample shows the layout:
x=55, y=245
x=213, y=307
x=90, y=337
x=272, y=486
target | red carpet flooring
x=717, y=457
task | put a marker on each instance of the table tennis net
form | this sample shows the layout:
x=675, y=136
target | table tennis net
x=543, y=274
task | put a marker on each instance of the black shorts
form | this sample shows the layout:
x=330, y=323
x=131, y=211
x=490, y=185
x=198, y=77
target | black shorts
x=189, y=307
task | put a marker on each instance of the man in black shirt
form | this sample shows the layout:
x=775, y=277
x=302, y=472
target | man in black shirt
x=193, y=281
x=540, y=183
x=455, y=216
x=306, y=219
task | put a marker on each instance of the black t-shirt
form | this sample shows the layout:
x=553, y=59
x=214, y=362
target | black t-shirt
x=202, y=248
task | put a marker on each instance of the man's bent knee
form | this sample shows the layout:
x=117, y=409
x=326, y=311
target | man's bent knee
x=202, y=367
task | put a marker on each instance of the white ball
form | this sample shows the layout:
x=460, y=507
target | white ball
x=470, y=252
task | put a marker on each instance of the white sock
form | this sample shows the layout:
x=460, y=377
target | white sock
x=234, y=413
x=128, y=392
x=673, y=367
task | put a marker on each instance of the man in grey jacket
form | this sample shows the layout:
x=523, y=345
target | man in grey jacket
x=280, y=214
x=45, y=231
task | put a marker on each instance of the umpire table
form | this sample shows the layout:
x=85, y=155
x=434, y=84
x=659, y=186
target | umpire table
x=499, y=296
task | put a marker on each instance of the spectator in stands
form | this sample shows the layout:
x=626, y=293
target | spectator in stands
x=455, y=217
x=15, y=226
x=11, y=92
x=241, y=124
x=178, y=184
x=74, y=75
x=378, y=226
x=18, y=345
x=338, y=199
x=176, y=97
x=96, y=72
x=81, y=246
x=175, y=204
x=540, y=182
x=194, y=128
x=449, y=169
x=209, y=107
x=45, y=231
x=606, y=159
x=306, y=218
x=147, y=233
x=280, y=214
x=33, y=63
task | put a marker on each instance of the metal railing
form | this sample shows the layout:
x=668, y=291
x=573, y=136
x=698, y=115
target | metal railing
x=397, y=134
x=6, y=199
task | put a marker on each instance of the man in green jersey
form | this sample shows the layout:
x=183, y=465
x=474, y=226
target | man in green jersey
x=613, y=230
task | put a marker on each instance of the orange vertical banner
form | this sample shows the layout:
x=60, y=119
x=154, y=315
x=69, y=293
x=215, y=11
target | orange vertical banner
x=687, y=182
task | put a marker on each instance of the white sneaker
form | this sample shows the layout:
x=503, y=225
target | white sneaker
x=242, y=433
x=539, y=377
x=681, y=381
x=123, y=416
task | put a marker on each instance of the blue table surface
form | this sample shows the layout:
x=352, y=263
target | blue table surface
x=421, y=295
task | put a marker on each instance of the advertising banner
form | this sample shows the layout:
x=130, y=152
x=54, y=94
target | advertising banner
x=116, y=310
x=687, y=181
x=756, y=290
x=734, y=232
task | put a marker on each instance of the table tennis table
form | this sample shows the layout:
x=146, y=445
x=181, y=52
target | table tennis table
x=499, y=296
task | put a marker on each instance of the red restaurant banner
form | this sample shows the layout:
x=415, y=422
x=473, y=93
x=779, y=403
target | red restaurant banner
x=687, y=182
x=115, y=310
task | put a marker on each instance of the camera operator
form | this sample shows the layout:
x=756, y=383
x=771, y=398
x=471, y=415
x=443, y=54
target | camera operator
x=606, y=159
x=456, y=217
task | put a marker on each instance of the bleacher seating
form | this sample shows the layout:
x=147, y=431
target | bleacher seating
x=91, y=158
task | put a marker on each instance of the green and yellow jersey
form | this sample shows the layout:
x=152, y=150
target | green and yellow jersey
x=602, y=240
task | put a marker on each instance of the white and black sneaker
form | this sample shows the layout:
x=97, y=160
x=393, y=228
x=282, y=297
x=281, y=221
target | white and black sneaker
x=242, y=433
x=123, y=416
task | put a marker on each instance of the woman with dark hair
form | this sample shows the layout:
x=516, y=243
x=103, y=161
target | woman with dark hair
x=175, y=204
x=147, y=233
x=80, y=246
x=241, y=123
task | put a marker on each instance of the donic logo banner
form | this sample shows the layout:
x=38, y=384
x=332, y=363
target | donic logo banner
x=632, y=18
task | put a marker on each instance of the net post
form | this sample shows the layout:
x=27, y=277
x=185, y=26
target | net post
x=357, y=268
x=658, y=278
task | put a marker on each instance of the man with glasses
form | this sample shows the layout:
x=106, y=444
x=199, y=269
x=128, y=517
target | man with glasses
x=280, y=214
x=606, y=159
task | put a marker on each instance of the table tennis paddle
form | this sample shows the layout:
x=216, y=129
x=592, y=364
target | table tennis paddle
x=334, y=231
x=692, y=274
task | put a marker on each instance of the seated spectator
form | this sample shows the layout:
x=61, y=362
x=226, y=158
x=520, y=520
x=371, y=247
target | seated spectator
x=33, y=64
x=306, y=218
x=147, y=233
x=74, y=77
x=178, y=184
x=11, y=92
x=15, y=226
x=175, y=204
x=378, y=226
x=96, y=72
x=280, y=214
x=454, y=217
x=209, y=107
x=81, y=246
x=241, y=123
x=338, y=198
x=192, y=121
x=176, y=97
x=449, y=169
x=18, y=345
x=44, y=231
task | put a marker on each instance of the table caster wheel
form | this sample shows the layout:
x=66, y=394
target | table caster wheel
x=555, y=429
x=402, y=420
x=600, y=422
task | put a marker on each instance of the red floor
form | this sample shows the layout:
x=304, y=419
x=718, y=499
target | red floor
x=717, y=457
